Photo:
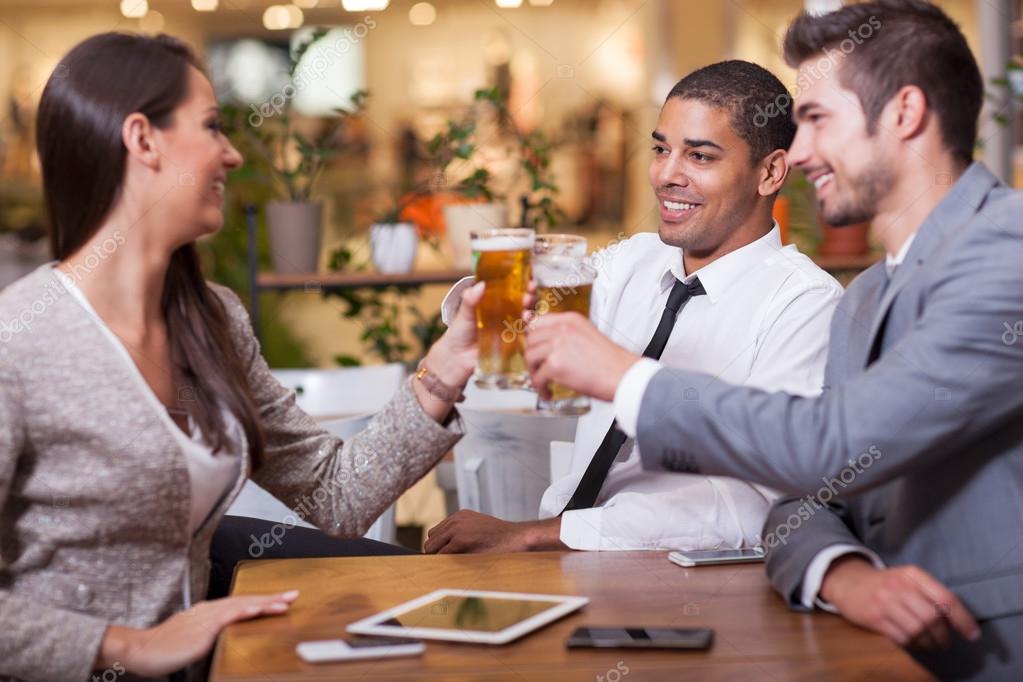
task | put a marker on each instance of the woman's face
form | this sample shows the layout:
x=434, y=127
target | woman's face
x=195, y=158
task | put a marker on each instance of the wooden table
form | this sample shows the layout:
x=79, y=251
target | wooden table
x=756, y=637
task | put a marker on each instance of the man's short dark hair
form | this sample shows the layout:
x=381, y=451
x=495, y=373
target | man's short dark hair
x=886, y=45
x=759, y=105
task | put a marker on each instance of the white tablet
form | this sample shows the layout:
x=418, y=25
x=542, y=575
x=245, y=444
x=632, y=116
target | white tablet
x=475, y=616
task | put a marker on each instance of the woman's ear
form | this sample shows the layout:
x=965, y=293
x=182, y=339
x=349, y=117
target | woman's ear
x=773, y=171
x=137, y=135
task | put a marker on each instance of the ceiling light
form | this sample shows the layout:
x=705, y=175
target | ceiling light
x=541, y=3
x=134, y=9
x=364, y=5
x=204, y=5
x=306, y=4
x=422, y=14
x=281, y=17
x=509, y=4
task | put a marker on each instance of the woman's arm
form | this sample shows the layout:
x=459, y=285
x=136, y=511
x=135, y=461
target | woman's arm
x=343, y=486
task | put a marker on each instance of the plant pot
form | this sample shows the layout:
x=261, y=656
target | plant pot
x=295, y=230
x=461, y=219
x=849, y=240
x=393, y=247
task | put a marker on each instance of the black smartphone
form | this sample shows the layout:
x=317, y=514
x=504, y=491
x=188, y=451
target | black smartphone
x=632, y=637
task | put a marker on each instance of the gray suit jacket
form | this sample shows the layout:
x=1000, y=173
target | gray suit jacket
x=94, y=490
x=920, y=453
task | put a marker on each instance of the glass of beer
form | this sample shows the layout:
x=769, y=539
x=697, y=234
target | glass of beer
x=564, y=283
x=501, y=258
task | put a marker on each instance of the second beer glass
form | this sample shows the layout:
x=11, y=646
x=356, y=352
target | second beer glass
x=502, y=258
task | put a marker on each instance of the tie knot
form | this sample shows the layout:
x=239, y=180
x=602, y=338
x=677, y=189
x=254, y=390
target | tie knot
x=682, y=292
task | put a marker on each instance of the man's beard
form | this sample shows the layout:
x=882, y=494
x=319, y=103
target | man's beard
x=858, y=204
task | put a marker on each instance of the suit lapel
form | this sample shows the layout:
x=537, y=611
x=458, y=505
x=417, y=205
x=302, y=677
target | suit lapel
x=958, y=206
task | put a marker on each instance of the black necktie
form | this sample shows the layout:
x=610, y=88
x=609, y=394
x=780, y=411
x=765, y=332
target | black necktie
x=593, y=479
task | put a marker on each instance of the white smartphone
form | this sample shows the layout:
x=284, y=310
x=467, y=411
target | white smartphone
x=709, y=557
x=333, y=650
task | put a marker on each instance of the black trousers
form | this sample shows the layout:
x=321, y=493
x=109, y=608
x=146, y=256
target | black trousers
x=240, y=538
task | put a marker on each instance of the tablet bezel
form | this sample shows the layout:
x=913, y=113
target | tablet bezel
x=561, y=606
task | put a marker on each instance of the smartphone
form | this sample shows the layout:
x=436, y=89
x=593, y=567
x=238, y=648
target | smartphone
x=640, y=638
x=332, y=650
x=708, y=557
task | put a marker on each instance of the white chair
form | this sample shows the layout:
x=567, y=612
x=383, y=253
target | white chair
x=503, y=464
x=342, y=401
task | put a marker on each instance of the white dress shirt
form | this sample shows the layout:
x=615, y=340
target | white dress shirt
x=764, y=322
x=211, y=476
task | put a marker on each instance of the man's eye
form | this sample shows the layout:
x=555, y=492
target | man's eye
x=700, y=157
x=658, y=149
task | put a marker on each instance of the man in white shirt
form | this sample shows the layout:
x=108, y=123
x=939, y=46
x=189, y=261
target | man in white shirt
x=759, y=318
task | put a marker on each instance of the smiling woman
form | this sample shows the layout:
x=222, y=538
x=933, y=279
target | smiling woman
x=109, y=496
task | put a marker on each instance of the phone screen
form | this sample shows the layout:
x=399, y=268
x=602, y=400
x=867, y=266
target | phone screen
x=719, y=554
x=642, y=637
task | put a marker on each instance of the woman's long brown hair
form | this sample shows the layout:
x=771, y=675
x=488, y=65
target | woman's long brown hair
x=83, y=107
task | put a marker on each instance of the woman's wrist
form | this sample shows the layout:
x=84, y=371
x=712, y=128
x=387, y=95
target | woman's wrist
x=115, y=648
x=452, y=368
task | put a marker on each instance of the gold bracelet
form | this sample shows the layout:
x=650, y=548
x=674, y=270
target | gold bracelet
x=437, y=388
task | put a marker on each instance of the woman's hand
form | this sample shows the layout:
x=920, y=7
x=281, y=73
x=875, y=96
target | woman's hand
x=453, y=357
x=186, y=637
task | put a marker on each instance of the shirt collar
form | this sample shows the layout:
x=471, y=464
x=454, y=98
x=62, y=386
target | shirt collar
x=720, y=274
x=891, y=262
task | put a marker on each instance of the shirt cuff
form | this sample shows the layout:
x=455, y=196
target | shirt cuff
x=580, y=529
x=629, y=394
x=453, y=299
x=814, y=576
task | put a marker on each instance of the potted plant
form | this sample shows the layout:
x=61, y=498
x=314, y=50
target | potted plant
x=467, y=203
x=295, y=220
x=394, y=239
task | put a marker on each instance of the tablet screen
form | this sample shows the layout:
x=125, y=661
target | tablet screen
x=482, y=614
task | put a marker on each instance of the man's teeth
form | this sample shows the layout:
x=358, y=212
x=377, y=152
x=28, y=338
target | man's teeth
x=823, y=180
x=678, y=206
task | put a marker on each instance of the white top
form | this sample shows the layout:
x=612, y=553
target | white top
x=212, y=476
x=764, y=322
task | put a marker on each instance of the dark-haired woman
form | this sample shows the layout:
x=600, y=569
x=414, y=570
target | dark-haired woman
x=133, y=398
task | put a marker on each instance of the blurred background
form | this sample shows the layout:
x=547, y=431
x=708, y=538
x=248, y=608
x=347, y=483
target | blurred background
x=359, y=116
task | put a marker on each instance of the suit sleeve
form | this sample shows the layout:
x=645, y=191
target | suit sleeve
x=944, y=384
x=339, y=486
x=39, y=643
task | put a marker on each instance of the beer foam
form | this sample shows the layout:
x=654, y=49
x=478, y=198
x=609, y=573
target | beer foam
x=504, y=243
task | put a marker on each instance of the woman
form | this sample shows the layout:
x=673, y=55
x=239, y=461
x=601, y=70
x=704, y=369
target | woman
x=133, y=398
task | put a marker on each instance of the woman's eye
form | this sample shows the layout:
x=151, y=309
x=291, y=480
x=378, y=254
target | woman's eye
x=215, y=126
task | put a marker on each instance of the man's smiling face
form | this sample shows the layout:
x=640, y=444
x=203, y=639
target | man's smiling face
x=703, y=175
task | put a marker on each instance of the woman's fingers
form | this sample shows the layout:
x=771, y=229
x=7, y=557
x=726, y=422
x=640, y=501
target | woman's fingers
x=235, y=609
x=471, y=298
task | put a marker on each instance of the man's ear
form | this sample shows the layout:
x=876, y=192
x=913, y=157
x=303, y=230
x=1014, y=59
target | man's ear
x=906, y=114
x=774, y=168
x=137, y=135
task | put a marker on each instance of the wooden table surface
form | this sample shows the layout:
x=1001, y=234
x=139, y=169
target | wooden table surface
x=756, y=636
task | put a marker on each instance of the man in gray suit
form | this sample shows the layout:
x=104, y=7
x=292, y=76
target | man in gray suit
x=911, y=460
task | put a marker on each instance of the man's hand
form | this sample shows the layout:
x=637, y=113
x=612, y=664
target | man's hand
x=469, y=531
x=905, y=604
x=566, y=348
